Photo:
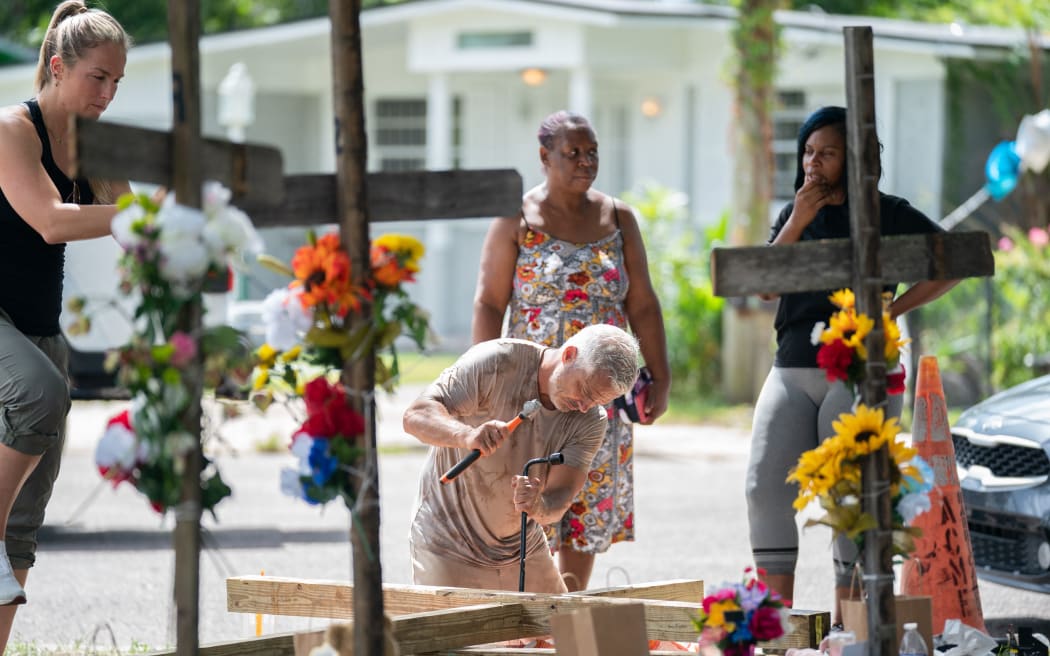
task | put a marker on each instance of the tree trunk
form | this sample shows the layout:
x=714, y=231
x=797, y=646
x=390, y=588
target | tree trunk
x=747, y=322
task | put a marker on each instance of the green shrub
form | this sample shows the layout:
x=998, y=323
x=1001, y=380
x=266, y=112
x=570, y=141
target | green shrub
x=1016, y=307
x=679, y=257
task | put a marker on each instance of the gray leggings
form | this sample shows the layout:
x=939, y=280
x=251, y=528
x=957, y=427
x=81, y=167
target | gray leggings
x=34, y=402
x=793, y=415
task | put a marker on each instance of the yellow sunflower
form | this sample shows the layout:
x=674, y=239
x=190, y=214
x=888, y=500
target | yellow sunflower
x=894, y=343
x=866, y=430
x=843, y=299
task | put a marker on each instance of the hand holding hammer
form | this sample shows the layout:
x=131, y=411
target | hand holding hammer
x=527, y=410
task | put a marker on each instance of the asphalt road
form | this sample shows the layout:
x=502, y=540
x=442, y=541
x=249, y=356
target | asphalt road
x=105, y=566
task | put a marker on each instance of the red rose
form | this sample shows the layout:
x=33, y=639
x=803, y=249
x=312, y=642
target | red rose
x=329, y=412
x=895, y=382
x=835, y=359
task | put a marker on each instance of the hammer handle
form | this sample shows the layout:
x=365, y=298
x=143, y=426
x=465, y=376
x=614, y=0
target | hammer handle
x=458, y=468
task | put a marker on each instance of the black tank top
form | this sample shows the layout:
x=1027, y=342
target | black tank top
x=31, y=270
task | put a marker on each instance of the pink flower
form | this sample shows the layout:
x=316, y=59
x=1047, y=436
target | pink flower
x=1005, y=244
x=1039, y=237
x=765, y=623
x=185, y=349
x=725, y=594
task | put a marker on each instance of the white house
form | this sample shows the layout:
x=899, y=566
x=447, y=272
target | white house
x=465, y=83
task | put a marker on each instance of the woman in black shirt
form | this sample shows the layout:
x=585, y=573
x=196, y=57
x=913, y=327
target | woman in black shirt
x=797, y=404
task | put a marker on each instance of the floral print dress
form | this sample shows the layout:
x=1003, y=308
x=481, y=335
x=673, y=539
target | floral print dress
x=560, y=287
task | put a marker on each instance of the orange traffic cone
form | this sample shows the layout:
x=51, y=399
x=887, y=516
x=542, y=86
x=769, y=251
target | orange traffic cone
x=942, y=564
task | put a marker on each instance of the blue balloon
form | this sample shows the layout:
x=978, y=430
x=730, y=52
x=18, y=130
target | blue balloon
x=1002, y=169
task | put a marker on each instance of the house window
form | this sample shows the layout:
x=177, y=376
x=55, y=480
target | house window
x=788, y=117
x=478, y=40
x=401, y=134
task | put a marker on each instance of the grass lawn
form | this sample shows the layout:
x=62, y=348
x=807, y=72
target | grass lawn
x=422, y=368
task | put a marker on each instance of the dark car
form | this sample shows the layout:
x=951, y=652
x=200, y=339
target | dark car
x=1002, y=450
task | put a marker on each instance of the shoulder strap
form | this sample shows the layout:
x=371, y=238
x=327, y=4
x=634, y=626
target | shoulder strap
x=616, y=213
x=38, y=123
x=521, y=213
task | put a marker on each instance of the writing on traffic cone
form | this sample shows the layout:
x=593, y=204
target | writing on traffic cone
x=942, y=564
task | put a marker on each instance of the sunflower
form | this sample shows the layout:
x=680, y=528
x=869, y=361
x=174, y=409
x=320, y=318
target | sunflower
x=894, y=343
x=865, y=430
x=843, y=299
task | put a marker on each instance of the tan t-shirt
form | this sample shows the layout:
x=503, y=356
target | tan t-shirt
x=472, y=518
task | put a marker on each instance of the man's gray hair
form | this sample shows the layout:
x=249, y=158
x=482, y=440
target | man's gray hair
x=605, y=350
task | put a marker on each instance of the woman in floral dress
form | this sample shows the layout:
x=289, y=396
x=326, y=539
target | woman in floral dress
x=572, y=257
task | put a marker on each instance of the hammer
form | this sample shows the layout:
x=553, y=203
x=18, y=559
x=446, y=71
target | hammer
x=527, y=410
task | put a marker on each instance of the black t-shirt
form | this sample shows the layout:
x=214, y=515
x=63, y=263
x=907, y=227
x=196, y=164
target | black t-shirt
x=797, y=313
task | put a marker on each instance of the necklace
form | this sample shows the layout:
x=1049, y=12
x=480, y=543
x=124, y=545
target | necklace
x=57, y=139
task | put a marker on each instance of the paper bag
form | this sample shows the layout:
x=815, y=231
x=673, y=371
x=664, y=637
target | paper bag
x=908, y=609
x=614, y=630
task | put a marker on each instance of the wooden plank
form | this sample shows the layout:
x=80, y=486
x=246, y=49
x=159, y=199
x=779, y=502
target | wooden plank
x=458, y=627
x=412, y=195
x=115, y=151
x=794, y=267
x=281, y=644
x=271, y=595
x=691, y=590
x=500, y=650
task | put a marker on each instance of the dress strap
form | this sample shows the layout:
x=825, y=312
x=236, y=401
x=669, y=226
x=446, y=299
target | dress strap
x=521, y=213
x=616, y=214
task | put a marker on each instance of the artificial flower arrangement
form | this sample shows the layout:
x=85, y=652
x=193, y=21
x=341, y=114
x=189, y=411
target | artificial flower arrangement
x=843, y=355
x=310, y=334
x=738, y=615
x=831, y=474
x=169, y=252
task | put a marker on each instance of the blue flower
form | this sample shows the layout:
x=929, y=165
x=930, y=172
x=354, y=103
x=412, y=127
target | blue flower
x=322, y=464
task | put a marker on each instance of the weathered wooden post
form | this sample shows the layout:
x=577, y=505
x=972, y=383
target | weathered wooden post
x=862, y=144
x=184, y=34
x=351, y=204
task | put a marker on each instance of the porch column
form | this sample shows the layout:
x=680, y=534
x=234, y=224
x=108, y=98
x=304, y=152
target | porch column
x=439, y=128
x=580, y=91
x=435, y=283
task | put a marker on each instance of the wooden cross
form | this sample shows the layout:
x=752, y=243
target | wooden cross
x=182, y=159
x=867, y=263
x=433, y=619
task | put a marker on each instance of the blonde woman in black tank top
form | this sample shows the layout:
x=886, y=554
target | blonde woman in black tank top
x=81, y=61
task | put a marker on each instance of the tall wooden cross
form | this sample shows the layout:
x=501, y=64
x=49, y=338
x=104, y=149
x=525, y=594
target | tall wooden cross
x=182, y=159
x=866, y=262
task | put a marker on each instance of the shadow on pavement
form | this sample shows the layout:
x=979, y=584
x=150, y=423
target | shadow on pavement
x=57, y=538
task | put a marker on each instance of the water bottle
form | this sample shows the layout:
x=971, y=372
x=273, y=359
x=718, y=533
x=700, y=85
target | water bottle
x=912, y=643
